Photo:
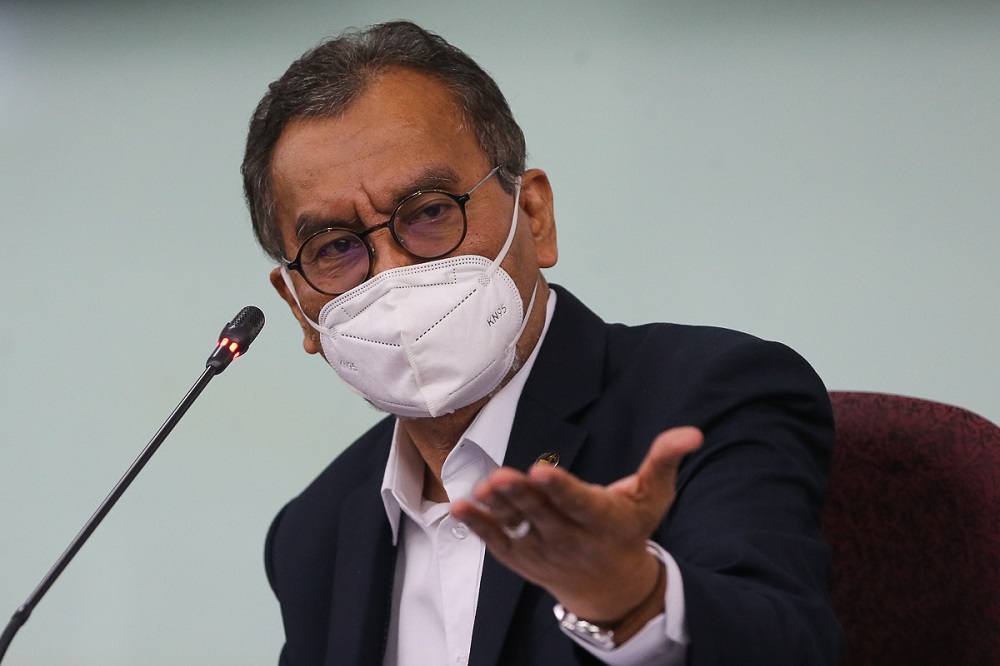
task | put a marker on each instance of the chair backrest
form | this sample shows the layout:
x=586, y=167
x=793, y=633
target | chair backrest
x=913, y=518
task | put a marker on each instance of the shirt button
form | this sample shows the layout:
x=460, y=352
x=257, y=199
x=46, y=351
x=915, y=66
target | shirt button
x=460, y=531
x=463, y=659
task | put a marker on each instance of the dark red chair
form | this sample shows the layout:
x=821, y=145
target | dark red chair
x=913, y=518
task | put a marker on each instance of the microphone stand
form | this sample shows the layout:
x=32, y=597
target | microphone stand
x=241, y=331
x=24, y=611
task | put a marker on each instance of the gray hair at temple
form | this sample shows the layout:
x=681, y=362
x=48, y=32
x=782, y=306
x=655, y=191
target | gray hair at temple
x=327, y=79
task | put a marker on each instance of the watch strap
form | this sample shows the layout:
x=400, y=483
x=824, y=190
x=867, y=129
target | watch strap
x=587, y=631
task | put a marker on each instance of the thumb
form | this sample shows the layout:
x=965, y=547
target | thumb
x=669, y=449
x=653, y=482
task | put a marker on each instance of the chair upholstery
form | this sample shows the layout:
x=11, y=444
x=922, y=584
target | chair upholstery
x=913, y=518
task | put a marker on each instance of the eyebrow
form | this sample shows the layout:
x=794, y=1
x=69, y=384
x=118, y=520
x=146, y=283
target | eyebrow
x=430, y=178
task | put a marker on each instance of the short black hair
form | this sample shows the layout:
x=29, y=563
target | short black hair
x=327, y=79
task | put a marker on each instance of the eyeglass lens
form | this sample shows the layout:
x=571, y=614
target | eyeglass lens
x=428, y=225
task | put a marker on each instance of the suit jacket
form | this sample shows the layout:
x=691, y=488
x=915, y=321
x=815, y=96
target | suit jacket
x=744, y=528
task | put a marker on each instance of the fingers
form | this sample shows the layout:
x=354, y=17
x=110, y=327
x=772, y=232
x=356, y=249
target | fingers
x=651, y=487
x=492, y=509
x=481, y=521
x=511, y=497
x=578, y=500
x=587, y=543
x=550, y=497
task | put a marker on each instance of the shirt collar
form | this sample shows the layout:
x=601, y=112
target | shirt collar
x=483, y=443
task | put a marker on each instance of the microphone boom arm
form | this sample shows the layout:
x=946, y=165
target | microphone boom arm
x=244, y=327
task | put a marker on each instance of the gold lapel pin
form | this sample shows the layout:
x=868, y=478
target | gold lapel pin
x=548, y=458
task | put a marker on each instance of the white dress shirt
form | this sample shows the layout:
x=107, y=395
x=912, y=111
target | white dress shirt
x=439, y=563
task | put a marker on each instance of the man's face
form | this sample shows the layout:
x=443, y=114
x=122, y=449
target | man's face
x=403, y=134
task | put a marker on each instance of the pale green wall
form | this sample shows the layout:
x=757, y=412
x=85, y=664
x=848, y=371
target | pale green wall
x=829, y=177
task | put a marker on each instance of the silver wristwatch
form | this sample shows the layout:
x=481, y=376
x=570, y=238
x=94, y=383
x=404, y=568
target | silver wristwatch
x=589, y=632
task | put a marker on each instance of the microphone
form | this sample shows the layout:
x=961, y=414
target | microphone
x=236, y=337
x=234, y=341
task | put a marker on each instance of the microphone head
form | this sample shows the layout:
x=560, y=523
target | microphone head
x=245, y=326
x=236, y=337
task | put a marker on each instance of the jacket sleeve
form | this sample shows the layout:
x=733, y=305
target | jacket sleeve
x=745, y=526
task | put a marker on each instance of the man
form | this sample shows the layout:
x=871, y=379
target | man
x=657, y=489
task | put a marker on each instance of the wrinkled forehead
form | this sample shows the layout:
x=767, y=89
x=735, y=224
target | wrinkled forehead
x=404, y=130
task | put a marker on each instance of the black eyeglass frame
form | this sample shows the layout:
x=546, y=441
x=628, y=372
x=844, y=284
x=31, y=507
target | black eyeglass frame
x=460, y=199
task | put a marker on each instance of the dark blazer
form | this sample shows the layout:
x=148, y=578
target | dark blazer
x=744, y=528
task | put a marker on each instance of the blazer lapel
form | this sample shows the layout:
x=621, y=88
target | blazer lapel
x=565, y=378
x=362, y=583
x=535, y=431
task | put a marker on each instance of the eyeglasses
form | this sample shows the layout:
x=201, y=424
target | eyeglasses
x=428, y=224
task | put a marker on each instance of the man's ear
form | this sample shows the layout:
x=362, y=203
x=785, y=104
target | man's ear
x=310, y=336
x=536, y=202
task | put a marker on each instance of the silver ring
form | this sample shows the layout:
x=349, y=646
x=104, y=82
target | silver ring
x=519, y=531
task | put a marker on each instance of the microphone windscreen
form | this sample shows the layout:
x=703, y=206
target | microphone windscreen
x=244, y=327
x=236, y=337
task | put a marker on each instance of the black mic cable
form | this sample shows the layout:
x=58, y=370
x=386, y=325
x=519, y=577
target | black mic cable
x=234, y=341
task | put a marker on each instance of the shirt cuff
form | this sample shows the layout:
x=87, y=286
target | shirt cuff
x=664, y=639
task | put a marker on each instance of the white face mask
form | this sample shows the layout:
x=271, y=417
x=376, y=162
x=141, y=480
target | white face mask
x=427, y=339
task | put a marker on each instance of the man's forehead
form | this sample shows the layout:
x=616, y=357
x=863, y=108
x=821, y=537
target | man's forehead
x=402, y=115
x=403, y=134
x=428, y=177
x=389, y=160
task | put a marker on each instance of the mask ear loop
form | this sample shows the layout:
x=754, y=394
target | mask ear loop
x=488, y=273
x=510, y=234
x=291, y=288
x=524, y=320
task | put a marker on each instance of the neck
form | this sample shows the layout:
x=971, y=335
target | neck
x=434, y=438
